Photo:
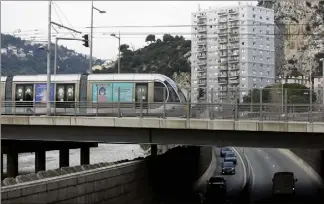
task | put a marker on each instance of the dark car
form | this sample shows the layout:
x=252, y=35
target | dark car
x=228, y=168
x=230, y=157
x=225, y=150
x=215, y=190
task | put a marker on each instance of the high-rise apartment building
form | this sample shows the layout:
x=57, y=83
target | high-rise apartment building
x=232, y=52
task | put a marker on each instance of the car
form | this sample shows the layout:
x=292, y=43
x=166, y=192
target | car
x=228, y=167
x=215, y=190
x=225, y=150
x=230, y=157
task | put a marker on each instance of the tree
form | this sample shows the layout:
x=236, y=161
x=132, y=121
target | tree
x=167, y=38
x=150, y=38
x=296, y=94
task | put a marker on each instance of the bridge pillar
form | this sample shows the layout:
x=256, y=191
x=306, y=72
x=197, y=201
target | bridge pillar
x=40, y=161
x=1, y=165
x=153, y=149
x=64, y=157
x=85, y=155
x=12, y=164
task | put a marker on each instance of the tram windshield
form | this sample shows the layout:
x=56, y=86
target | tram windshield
x=181, y=95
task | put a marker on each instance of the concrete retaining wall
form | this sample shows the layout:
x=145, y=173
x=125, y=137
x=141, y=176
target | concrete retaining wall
x=314, y=158
x=114, y=184
x=142, y=181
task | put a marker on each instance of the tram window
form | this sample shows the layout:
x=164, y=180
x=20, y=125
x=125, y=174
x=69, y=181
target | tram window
x=24, y=92
x=173, y=97
x=158, y=91
x=65, y=92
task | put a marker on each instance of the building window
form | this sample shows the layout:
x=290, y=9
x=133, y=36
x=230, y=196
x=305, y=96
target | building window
x=261, y=17
x=253, y=15
x=242, y=43
x=253, y=57
x=267, y=18
x=254, y=43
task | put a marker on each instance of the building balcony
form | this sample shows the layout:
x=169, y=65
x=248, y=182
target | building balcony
x=223, y=62
x=222, y=88
x=201, y=70
x=223, y=68
x=233, y=68
x=202, y=83
x=202, y=30
x=202, y=56
x=202, y=49
x=222, y=13
x=233, y=75
x=222, y=81
x=201, y=42
x=233, y=61
x=222, y=34
x=234, y=25
x=233, y=46
x=222, y=27
x=222, y=48
x=223, y=56
x=201, y=16
x=202, y=75
x=224, y=20
x=202, y=36
x=232, y=11
x=202, y=63
x=233, y=19
x=222, y=41
x=234, y=40
x=234, y=81
x=234, y=54
x=201, y=23
x=220, y=77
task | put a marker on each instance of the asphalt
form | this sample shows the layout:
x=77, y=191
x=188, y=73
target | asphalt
x=265, y=162
x=235, y=182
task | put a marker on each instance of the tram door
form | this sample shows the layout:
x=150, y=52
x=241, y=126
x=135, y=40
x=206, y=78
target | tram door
x=141, y=93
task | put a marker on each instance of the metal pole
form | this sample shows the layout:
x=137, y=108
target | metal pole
x=282, y=98
x=55, y=56
x=323, y=81
x=119, y=53
x=311, y=96
x=48, y=103
x=91, y=39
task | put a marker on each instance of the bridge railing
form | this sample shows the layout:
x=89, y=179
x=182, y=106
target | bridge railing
x=265, y=104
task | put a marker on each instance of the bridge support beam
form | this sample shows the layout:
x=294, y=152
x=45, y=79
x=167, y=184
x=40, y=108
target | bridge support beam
x=85, y=155
x=12, y=164
x=64, y=157
x=1, y=165
x=153, y=149
x=40, y=161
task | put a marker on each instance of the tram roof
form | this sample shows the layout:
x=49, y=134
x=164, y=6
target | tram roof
x=43, y=78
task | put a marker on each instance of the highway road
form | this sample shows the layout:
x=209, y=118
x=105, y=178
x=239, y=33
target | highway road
x=265, y=162
x=236, y=182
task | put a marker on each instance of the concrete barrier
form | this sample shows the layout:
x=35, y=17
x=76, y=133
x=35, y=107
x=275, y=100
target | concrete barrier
x=113, y=184
x=138, y=181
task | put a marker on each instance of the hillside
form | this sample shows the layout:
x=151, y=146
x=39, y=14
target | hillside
x=169, y=56
x=24, y=57
x=302, y=25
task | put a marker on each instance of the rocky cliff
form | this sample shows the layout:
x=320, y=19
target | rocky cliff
x=299, y=36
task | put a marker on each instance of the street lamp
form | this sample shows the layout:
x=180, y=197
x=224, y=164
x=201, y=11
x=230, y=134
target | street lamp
x=118, y=37
x=91, y=34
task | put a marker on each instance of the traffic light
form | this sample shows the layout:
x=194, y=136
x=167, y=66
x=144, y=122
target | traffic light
x=86, y=40
x=201, y=93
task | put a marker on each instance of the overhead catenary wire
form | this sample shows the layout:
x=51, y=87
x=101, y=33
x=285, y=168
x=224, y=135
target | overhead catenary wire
x=56, y=5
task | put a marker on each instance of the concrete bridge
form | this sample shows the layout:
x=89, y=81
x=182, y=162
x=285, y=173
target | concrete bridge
x=248, y=133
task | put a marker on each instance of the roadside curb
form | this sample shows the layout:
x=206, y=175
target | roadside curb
x=306, y=167
x=208, y=173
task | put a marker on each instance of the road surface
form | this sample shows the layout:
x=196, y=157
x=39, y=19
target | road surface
x=265, y=162
x=236, y=182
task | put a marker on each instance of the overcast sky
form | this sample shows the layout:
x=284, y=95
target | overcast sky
x=31, y=17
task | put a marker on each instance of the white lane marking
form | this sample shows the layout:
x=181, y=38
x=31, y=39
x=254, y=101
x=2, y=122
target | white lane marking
x=259, y=150
x=273, y=166
x=244, y=167
x=267, y=157
x=252, y=171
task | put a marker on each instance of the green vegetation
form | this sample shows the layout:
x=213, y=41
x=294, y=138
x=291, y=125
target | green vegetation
x=23, y=57
x=296, y=94
x=167, y=56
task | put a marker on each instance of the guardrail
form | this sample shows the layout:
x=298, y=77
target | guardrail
x=236, y=111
